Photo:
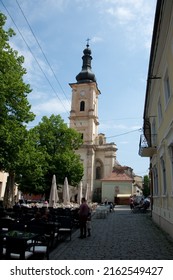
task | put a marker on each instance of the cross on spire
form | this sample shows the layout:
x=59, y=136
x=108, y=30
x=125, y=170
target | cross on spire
x=88, y=42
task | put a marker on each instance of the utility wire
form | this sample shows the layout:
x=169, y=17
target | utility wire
x=34, y=56
x=125, y=133
x=42, y=50
x=49, y=64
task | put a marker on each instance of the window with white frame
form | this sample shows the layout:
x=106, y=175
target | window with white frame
x=163, y=169
x=167, y=88
x=155, y=181
x=160, y=115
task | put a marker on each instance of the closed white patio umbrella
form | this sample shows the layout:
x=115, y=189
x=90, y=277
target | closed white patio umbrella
x=86, y=192
x=79, y=196
x=66, y=195
x=53, y=197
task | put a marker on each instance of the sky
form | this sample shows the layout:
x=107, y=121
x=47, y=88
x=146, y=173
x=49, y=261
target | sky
x=52, y=34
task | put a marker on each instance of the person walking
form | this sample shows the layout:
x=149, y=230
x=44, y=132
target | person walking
x=83, y=216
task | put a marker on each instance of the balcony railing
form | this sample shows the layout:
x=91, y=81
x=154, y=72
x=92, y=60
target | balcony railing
x=144, y=149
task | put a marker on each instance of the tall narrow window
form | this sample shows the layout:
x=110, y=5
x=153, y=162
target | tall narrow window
x=167, y=88
x=99, y=170
x=82, y=106
x=163, y=176
x=159, y=112
x=155, y=179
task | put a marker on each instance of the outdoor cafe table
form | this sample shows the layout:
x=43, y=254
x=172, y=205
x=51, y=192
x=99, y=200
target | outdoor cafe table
x=18, y=242
x=102, y=211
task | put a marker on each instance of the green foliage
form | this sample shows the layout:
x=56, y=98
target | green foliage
x=59, y=143
x=32, y=165
x=14, y=106
x=146, y=186
x=31, y=157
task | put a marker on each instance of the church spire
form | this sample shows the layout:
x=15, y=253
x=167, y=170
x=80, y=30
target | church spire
x=86, y=75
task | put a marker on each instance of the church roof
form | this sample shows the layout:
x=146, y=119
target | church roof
x=86, y=75
x=119, y=174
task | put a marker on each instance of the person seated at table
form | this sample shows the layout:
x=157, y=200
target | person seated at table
x=46, y=214
x=146, y=203
x=16, y=206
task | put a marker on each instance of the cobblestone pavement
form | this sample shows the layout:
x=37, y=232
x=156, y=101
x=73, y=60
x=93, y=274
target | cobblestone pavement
x=122, y=235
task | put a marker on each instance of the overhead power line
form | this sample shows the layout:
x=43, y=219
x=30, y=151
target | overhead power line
x=140, y=129
x=41, y=69
x=42, y=50
x=50, y=65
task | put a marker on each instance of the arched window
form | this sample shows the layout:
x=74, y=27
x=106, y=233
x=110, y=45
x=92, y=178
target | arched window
x=100, y=140
x=99, y=170
x=82, y=106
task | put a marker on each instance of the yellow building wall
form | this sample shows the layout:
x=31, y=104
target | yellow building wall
x=163, y=66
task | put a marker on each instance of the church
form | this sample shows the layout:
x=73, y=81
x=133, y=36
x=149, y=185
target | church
x=103, y=176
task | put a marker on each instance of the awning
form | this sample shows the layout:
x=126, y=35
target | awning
x=124, y=195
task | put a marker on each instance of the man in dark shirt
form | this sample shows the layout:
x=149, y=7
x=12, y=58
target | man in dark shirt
x=83, y=216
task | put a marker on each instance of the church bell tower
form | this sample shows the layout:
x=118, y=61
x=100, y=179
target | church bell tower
x=84, y=116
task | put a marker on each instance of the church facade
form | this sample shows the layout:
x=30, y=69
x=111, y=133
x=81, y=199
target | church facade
x=98, y=156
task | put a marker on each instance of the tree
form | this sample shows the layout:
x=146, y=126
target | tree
x=32, y=165
x=14, y=108
x=146, y=186
x=30, y=157
x=59, y=144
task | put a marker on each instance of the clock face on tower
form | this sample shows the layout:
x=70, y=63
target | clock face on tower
x=82, y=93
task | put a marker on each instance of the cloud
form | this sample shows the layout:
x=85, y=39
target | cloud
x=122, y=14
x=52, y=106
x=124, y=142
x=113, y=125
x=134, y=16
x=110, y=125
x=44, y=9
x=26, y=45
x=96, y=39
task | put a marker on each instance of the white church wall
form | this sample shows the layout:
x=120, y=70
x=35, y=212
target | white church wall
x=111, y=189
